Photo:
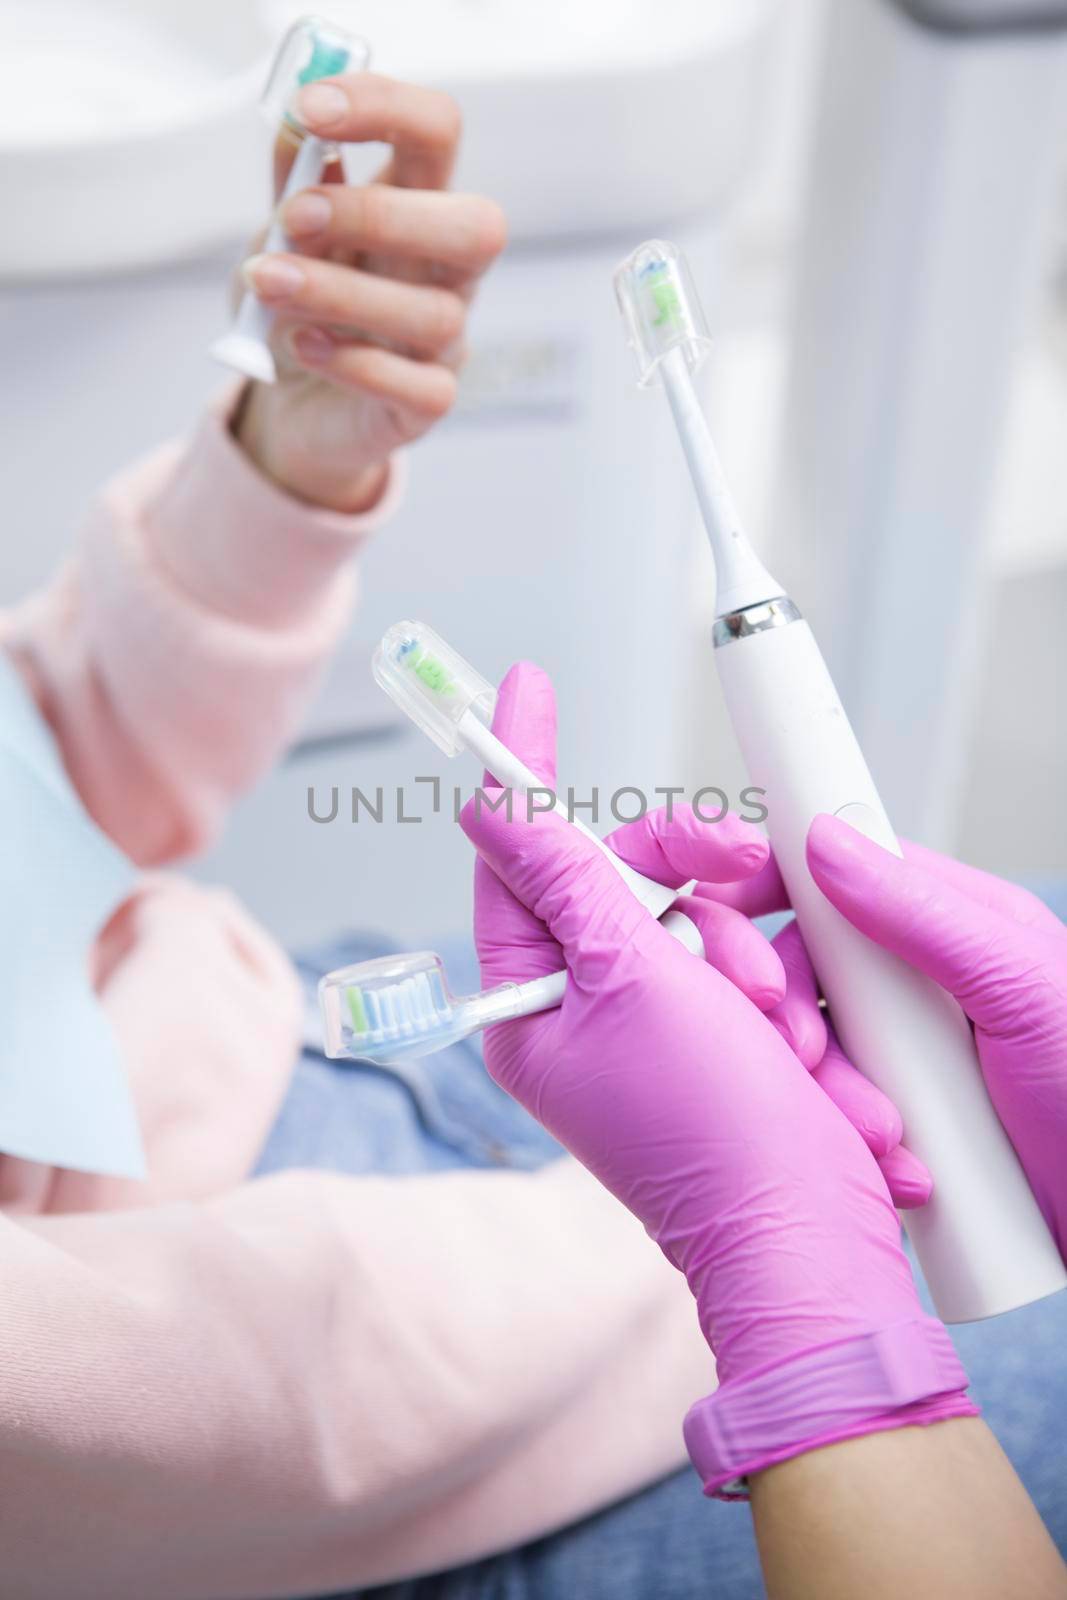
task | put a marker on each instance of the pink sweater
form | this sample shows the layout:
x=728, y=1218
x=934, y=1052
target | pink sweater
x=219, y=1388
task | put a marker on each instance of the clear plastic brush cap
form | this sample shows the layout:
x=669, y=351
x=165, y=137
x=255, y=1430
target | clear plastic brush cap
x=313, y=48
x=400, y=1007
x=431, y=683
x=661, y=308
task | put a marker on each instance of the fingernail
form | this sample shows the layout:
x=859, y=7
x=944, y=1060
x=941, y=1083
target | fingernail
x=747, y=842
x=307, y=213
x=752, y=853
x=828, y=837
x=765, y=997
x=275, y=276
x=910, y=1193
x=312, y=344
x=880, y=1137
x=321, y=104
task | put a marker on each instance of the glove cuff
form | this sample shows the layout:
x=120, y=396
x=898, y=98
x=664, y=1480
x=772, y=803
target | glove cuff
x=894, y=1377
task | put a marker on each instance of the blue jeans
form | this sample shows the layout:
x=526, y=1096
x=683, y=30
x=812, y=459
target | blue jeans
x=667, y=1543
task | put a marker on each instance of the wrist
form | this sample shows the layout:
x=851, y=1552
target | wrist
x=222, y=534
x=270, y=447
x=898, y=1376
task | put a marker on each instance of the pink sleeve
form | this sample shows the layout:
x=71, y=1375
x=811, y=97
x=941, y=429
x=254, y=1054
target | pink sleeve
x=174, y=655
x=316, y=1382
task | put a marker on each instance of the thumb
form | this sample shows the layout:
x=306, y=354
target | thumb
x=560, y=876
x=968, y=949
x=524, y=720
x=674, y=845
x=512, y=943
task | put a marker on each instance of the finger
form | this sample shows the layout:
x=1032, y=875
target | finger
x=758, y=896
x=878, y=1123
x=425, y=391
x=562, y=877
x=989, y=891
x=874, y=1116
x=422, y=125
x=513, y=944
x=463, y=232
x=908, y=1181
x=976, y=954
x=525, y=720
x=418, y=317
x=287, y=142
x=676, y=846
x=799, y=1017
x=737, y=949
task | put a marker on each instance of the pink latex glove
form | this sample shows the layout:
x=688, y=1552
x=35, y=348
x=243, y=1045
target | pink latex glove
x=999, y=951
x=669, y=1084
x=734, y=862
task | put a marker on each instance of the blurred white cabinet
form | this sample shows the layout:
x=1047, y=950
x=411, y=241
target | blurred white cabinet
x=547, y=518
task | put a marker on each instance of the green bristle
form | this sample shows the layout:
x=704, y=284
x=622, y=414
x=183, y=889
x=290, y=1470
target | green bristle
x=432, y=672
x=665, y=298
x=356, y=1011
x=326, y=61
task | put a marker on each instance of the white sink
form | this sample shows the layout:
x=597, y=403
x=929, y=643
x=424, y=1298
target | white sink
x=124, y=127
x=609, y=121
x=523, y=39
x=581, y=115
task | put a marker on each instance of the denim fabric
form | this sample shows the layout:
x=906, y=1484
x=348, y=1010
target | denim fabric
x=667, y=1543
x=423, y=1116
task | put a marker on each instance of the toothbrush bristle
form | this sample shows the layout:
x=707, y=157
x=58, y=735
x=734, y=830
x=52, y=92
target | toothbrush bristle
x=327, y=61
x=664, y=292
x=428, y=668
x=356, y=1009
x=397, y=1011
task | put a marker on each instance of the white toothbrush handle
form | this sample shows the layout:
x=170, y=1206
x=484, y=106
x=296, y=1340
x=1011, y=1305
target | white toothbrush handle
x=246, y=345
x=516, y=775
x=541, y=994
x=981, y=1240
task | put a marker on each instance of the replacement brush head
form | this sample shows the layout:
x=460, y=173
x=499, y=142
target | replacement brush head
x=660, y=307
x=431, y=683
x=399, y=1007
x=313, y=48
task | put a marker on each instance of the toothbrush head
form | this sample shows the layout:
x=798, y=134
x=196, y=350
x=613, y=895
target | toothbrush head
x=392, y=1009
x=328, y=58
x=313, y=48
x=660, y=307
x=398, y=1008
x=430, y=683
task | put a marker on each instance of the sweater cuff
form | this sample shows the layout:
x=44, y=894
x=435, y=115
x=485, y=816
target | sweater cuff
x=238, y=545
x=895, y=1377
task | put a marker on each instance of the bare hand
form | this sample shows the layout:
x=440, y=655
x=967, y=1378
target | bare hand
x=371, y=314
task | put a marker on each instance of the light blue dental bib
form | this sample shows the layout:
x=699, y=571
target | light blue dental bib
x=64, y=1096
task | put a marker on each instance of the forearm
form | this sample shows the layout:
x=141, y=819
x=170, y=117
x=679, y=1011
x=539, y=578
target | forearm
x=918, y=1512
x=317, y=1382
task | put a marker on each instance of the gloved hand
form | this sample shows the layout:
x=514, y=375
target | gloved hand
x=999, y=951
x=669, y=1084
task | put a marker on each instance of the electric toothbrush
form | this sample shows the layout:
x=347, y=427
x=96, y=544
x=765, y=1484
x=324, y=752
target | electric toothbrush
x=396, y=1008
x=313, y=48
x=981, y=1240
